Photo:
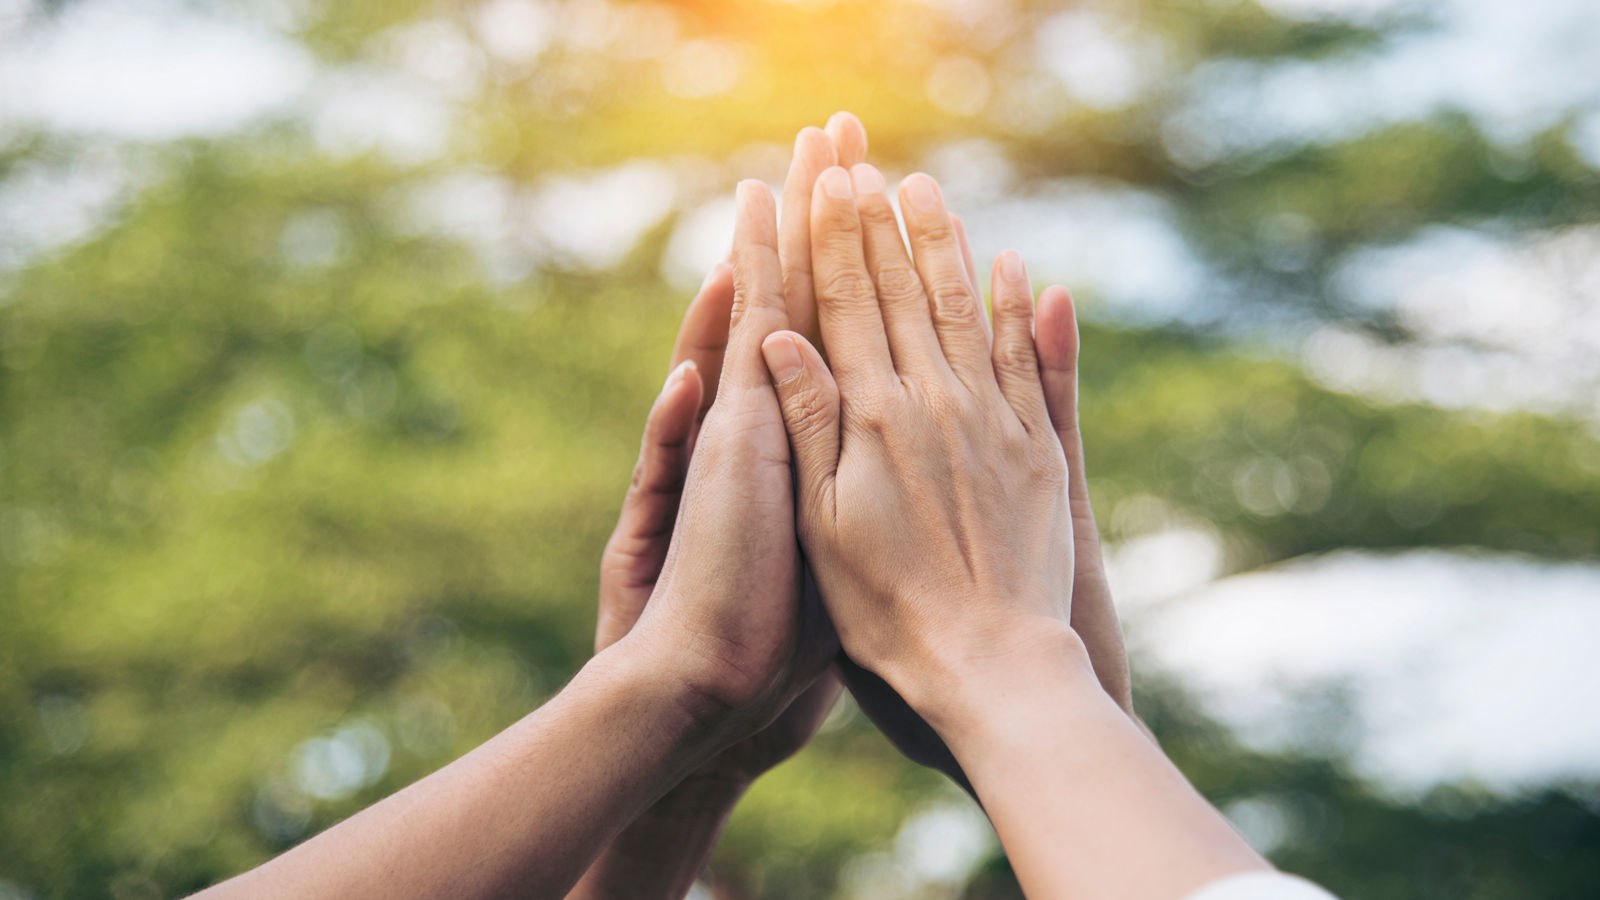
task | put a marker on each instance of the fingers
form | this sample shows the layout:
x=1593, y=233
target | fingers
x=638, y=545
x=652, y=501
x=1016, y=365
x=847, y=300
x=972, y=270
x=966, y=252
x=813, y=152
x=1056, y=341
x=809, y=398
x=956, y=308
x=844, y=143
x=1094, y=616
x=703, y=337
x=849, y=137
x=901, y=300
x=758, y=308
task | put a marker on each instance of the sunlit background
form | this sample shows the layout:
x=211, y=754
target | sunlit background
x=327, y=330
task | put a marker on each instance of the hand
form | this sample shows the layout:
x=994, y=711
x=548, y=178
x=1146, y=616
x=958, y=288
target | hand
x=1094, y=614
x=932, y=489
x=662, y=851
x=726, y=617
x=633, y=557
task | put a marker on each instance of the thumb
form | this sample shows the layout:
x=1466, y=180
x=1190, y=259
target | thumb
x=810, y=401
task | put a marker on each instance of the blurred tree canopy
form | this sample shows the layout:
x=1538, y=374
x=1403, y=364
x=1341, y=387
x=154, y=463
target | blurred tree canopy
x=302, y=491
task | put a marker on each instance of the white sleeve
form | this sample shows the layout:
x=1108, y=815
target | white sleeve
x=1261, y=886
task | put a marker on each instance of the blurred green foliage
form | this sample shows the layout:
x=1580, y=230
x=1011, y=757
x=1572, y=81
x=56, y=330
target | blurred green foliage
x=257, y=510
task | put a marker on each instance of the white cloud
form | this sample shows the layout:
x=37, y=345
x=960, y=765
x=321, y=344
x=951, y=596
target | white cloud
x=1501, y=322
x=146, y=72
x=1455, y=667
x=1515, y=68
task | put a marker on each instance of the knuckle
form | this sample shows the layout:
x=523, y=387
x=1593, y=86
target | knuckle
x=879, y=216
x=953, y=303
x=636, y=479
x=741, y=305
x=900, y=283
x=848, y=285
x=807, y=406
x=839, y=239
x=1013, y=306
x=938, y=231
x=868, y=411
x=1016, y=355
x=1046, y=463
x=1019, y=299
x=945, y=404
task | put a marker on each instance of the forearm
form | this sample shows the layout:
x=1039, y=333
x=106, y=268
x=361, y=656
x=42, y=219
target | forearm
x=1084, y=804
x=660, y=854
x=524, y=814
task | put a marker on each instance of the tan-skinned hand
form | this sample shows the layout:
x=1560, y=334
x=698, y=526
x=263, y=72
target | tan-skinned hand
x=727, y=618
x=633, y=558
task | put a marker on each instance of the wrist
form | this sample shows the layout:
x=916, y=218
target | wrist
x=998, y=679
x=683, y=718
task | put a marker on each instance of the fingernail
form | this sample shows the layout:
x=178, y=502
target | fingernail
x=677, y=375
x=782, y=356
x=923, y=192
x=868, y=179
x=836, y=182
x=742, y=194
x=1011, y=267
x=807, y=132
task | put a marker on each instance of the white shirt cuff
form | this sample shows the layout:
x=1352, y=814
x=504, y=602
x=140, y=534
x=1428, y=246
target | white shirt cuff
x=1261, y=886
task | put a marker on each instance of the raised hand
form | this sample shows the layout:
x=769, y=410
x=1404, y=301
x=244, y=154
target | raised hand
x=634, y=555
x=1094, y=614
x=933, y=503
x=633, y=558
x=662, y=851
x=932, y=488
x=726, y=615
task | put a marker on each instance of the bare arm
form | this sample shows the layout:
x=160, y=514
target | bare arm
x=726, y=642
x=1084, y=803
x=520, y=815
x=934, y=504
